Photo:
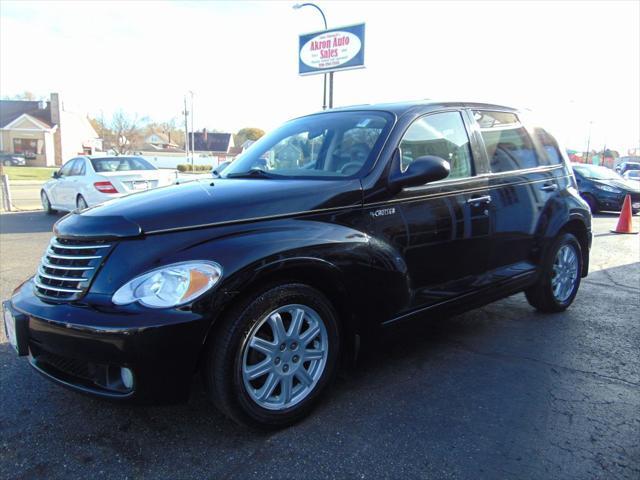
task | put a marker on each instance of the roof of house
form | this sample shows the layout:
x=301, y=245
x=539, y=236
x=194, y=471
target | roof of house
x=212, y=142
x=12, y=109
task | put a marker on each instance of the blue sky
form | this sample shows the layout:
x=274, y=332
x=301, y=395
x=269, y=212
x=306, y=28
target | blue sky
x=571, y=62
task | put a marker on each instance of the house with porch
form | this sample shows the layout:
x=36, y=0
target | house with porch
x=45, y=132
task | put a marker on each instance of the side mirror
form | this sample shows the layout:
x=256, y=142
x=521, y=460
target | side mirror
x=56, y=174
x=422, y=170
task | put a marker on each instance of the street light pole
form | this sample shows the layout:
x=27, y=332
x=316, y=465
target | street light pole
x=193, y=133
x=186, y=130
x=298, y=6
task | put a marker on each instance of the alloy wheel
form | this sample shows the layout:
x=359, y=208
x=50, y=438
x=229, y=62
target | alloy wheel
x=565, y=273
x=284, y=357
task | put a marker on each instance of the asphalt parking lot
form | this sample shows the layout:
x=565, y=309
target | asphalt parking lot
x=500, y=392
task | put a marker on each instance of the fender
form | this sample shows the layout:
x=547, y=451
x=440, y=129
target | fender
x=568, y=212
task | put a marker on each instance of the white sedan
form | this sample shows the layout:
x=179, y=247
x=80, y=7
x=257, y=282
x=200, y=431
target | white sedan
x=87, y=181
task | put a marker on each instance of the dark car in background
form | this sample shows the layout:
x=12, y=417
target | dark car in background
x=12, y=160
x=604, y=189
x=625, y=166
x=327, y=230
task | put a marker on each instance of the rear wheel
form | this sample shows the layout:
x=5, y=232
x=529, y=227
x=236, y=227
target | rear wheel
x=272, y=356
x=560, y=277
x=7, y=163
x=46, y=204
x=591, y=201
x=81, y=203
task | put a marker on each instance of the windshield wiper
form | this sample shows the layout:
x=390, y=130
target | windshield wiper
x=253, y=173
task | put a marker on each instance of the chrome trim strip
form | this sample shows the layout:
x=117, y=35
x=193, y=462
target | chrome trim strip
x=64, y=279
x=55, y=289
x=456, y=192
x=55, y=244
x=62, y=267
x=71, y=257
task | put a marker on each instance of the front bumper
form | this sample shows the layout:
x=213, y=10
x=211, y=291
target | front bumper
x=84, y=348
x=614, y=201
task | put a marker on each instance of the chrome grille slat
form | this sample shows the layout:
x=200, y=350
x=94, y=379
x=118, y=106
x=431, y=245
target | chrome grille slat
x=46, y=264
x=55, y=244
x=67, y=268
x=62, y=279
x=71, y=257
x=55, y=289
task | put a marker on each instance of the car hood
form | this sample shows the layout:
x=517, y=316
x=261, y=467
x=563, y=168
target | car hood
x=622, y=184
x=207, y=203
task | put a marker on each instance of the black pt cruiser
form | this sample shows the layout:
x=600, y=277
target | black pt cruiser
x=334, y=226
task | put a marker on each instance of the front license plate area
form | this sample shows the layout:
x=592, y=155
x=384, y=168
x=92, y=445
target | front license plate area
x=16, y=329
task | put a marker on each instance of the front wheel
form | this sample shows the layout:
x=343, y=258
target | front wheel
x=46, y=204
x=560, y=276
x=273, y=356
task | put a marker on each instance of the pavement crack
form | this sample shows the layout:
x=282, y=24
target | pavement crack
x=511, y=356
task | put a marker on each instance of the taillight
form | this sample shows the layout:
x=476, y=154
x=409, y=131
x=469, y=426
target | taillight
x=105, y=187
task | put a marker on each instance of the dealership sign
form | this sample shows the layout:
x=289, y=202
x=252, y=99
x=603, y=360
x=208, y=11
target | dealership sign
x=330, y=50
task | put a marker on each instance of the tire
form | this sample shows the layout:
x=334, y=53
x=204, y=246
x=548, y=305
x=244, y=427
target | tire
x=591, y=201
x=7, y=163
x=46, y=204
x=547, y=295
x=81, y=203
x=230, y=356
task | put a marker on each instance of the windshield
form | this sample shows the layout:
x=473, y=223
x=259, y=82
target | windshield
x=120, y=164
x=598, y=173
x=328, y=145
x=635, y=174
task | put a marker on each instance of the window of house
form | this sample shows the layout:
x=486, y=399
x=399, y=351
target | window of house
x=25, y=146
x=442, y=135
x=508, y=144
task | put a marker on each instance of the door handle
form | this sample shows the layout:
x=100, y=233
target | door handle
x=479, y=200
x=550, y=187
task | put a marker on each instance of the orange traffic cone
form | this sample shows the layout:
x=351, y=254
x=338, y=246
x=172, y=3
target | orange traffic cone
x=624, y=222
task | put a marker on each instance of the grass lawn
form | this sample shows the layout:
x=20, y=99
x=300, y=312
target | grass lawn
x=28, y=173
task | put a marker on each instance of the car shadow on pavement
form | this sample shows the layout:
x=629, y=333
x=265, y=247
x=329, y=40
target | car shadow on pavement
x=492, y=381
x=28, y=222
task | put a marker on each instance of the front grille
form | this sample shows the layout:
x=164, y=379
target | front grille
x=67, y=268
x=69, y=366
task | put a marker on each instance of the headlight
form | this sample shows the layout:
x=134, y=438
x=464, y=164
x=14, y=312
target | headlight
x=607, y=188
x=170, y=286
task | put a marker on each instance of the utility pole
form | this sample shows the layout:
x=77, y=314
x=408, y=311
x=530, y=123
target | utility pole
x=586, y=157
x=193, y=134
x=186, y=130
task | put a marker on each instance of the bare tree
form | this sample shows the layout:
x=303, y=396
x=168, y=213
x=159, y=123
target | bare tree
x=125, y=133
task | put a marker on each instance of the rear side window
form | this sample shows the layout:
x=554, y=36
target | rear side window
x=508, y=144
x=549, y=146
x=442, y=135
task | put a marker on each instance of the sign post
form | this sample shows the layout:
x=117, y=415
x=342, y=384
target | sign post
x=330, y=51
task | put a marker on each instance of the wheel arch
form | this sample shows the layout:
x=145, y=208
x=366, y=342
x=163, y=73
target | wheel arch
x=317, y=273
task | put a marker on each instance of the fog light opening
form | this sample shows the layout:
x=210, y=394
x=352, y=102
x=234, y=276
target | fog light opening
x=126, y=376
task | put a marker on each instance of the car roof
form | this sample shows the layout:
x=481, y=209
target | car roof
x=400, y=108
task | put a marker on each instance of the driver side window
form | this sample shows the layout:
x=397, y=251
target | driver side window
x=442, y=135
x=294, y=152
x=65, y=171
